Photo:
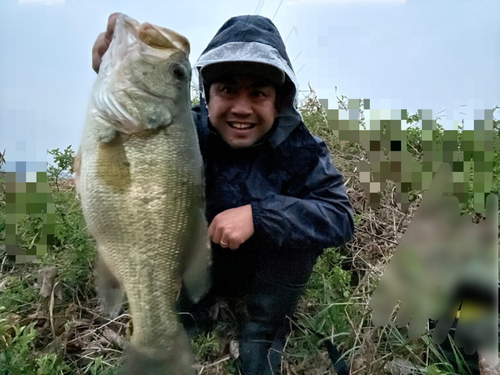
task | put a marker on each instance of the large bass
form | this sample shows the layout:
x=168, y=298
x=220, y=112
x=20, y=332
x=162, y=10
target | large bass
x=139, y=176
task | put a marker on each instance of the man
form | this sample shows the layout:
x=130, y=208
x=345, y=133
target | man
x=274, y=200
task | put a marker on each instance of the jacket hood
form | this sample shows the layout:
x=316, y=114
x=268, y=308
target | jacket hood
x=255, y=39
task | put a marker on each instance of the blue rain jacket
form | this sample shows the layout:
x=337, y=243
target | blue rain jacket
x=297, y=196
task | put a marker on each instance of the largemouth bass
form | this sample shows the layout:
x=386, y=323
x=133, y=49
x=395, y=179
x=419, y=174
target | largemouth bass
x=139, y=176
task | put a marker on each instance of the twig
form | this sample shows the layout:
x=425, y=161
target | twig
x=377, y=236
x=51, y=309
x=98, y=328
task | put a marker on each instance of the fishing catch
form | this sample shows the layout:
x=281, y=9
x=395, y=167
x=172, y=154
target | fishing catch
x=139, y=174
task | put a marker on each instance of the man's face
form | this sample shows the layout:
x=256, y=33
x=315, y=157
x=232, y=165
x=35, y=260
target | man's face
x=242, y=109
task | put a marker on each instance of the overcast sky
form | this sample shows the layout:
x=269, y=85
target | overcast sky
x=413, y=54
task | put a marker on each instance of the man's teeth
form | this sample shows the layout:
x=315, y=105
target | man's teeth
x=241, y=126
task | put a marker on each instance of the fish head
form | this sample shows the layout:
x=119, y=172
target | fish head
x=151, y=83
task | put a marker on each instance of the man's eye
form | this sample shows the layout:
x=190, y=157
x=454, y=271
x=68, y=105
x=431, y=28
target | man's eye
x=259, y=94
x=227, y=90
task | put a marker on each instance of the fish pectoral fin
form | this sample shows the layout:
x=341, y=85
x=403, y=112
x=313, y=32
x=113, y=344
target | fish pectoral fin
x=178, y=360
x=196, y=266
x=196, y=277
x=107, y=134
x=109, y=290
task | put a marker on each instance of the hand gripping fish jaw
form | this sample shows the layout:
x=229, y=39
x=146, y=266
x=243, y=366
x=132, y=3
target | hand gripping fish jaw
x=143, y=81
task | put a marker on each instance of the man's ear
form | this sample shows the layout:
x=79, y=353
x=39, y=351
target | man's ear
x=206, y=91
x=278, y=103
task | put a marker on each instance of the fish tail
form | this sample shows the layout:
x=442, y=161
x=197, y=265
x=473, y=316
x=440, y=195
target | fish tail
x=178, y=360
x=109, y=289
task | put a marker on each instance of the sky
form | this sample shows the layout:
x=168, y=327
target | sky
x=442, y=55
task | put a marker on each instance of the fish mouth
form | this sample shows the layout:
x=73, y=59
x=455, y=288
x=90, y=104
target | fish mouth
x=162, y=38
x=241, y=125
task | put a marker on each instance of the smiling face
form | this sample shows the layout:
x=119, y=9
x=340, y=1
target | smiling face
x=242, y=109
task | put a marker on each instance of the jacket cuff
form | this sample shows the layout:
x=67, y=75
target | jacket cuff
x=256, y=217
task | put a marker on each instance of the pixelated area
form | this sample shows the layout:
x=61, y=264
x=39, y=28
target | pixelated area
x=395, y=154
x=29, y=207
x=445, y=267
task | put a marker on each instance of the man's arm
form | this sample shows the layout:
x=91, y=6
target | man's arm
x=318, y=215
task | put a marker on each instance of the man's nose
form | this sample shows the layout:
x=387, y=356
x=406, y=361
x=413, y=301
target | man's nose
x=242, y=106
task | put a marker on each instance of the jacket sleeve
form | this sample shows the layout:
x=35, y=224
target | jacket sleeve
x=200, y=129
x=317, y=213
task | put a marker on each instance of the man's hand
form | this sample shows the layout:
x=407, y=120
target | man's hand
x=232, y=227
x=102, y=43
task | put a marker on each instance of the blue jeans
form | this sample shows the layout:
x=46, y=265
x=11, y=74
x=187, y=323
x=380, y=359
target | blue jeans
x=272, y=283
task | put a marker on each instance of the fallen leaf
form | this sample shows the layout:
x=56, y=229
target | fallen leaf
x=234, y=349
x=3, y=284
x=12, y=319
x=39, y=318
x=46, y=280
x=113, y=337
x=485, y=369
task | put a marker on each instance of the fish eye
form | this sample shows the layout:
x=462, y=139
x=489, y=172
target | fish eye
x=179, y=71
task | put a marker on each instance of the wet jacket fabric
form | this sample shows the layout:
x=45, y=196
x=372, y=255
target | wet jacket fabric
x=297, y=196
x=298, y=200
